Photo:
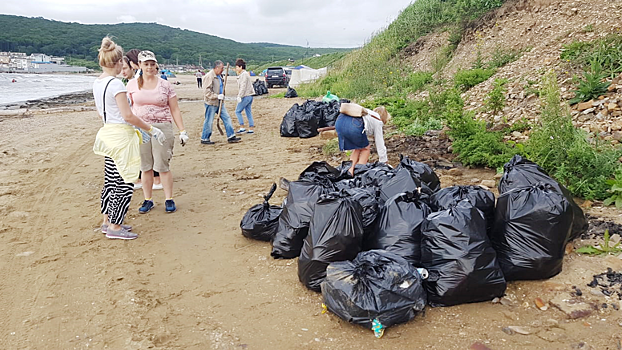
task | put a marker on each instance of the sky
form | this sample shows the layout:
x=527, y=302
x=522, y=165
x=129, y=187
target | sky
x=312, y=23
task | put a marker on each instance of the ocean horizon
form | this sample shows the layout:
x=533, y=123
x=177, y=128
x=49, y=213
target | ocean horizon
x=39, y=86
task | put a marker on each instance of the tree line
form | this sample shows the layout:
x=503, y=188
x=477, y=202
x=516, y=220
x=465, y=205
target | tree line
x=171, y=45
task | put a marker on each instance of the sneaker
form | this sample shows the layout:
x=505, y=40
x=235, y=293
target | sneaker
x=125, y=227
x=207, y=142
x=241, y=131
x=121, y=234
x=146, y=207
x=250, y=132
x=157, y=187
x=138, y=186
x=170, y=206
x=234, y=139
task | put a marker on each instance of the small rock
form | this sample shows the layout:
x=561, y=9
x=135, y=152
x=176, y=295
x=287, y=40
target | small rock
x=517, y=329
x=455, y=172
x=25, y=254
x=488, y=183
x=612, y=107
x=540, y=304
x=573, y=308
x=589, y=110
x=475, y=180
x=584, y=105
x=507, y=330
x=496, y=300
x=479, y=346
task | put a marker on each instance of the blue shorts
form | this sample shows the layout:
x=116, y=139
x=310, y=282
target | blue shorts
x=351, y=134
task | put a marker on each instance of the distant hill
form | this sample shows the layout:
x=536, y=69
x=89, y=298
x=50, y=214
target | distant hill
x=25, y=34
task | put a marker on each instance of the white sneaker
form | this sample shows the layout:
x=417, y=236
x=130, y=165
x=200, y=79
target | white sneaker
x=138, y=186
x=157, y=187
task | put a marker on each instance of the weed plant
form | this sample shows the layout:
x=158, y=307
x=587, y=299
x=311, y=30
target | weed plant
x=565, y=152
x=606, y=53
x=466, y=79
x=331, y=148
x=495, y=100
x=591, y=86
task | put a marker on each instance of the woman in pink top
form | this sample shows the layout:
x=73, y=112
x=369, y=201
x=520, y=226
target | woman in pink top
x=154, y=100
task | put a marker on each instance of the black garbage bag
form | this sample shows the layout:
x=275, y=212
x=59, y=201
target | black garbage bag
x=295, y=218
x=260, y=87
x=359, y=169
x=336, y=234
x=400, y=183
x=459, y=257
x=530, y=232
x=520, y=172
x=291, y=93
x=377, y=176
x=306, y=125
x=398, y=229
x=330, y=112
x=288, y=125
x=322, y=169
x=376, y=285
x=369, y=200
x=480, y=197
x=423, y=175
x=262, y=220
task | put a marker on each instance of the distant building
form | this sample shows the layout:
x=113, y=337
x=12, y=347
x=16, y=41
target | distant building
x=35, y=63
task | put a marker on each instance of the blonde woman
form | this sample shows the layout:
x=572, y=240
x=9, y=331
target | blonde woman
x=117, y=141
x=154, y=100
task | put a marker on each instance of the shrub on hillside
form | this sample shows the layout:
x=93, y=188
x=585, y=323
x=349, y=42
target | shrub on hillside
x=466, y=79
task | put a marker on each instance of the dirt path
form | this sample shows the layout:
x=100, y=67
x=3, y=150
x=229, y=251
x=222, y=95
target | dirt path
x=192, y=281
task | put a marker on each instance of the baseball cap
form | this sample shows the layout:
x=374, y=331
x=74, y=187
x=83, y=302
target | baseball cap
x=146, y=56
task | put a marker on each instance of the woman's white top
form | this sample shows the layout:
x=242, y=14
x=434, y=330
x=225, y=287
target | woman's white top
x=113, y=114
x=373, y=127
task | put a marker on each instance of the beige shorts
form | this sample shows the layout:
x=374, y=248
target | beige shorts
x=155, y=156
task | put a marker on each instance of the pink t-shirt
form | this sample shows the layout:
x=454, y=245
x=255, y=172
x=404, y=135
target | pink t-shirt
x=152, y=105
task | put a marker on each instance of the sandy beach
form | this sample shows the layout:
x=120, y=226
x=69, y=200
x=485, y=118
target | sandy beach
x=191, y=280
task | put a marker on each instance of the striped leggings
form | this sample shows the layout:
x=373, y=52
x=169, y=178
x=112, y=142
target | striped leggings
x=116, y=194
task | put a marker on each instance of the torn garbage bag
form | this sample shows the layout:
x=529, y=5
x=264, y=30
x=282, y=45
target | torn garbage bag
x=398, y=228
x=459, y=257
x=335, y=234
x=519, y=172
x=295, y=218
x=376, y=286
x=262, y=220
x=531, y=228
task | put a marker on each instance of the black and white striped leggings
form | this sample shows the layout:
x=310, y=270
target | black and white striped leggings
x=116, y=194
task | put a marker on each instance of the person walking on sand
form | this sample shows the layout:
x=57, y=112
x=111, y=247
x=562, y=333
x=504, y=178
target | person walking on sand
x=199, y=76
x=354, y=124
x=245, y=97
x=213, y=97
x=117, y=141
x=154, y=100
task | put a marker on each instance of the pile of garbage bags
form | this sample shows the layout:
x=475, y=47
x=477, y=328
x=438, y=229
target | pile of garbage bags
x=384, y=242
x=304, y=120
x=260, y=87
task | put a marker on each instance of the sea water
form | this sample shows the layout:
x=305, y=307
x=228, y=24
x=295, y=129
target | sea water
x=37, y=86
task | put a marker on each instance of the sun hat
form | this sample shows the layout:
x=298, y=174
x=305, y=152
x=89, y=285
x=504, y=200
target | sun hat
x=147, y=56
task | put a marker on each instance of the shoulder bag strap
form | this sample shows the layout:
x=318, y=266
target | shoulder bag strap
x=104, y=98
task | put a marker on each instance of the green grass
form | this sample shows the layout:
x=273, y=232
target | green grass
x=605, y=52
x=326, y=60
x=466, y=79
x=331, y=148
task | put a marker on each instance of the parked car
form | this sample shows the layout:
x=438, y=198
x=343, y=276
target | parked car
x=276, y=76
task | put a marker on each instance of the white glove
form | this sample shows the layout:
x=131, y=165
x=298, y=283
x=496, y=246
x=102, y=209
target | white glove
x=239, y=100
x=158, y=135
x=221, y=96
x=183, y=137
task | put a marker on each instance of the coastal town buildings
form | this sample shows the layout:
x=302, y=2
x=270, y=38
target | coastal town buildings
x=35, y=63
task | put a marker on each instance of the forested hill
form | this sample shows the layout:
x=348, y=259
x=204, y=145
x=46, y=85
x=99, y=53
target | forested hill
x=24, y=34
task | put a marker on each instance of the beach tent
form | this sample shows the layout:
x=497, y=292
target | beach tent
x=304, y=74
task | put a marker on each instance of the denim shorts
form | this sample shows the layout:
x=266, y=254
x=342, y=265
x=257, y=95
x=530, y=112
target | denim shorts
x=351, y=134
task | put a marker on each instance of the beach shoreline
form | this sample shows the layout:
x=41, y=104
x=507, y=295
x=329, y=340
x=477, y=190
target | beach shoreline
x=62, y=100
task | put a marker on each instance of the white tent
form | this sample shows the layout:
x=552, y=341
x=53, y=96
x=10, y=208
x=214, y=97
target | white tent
x=304, y=74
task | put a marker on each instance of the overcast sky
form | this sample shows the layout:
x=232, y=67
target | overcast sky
x=330, y=23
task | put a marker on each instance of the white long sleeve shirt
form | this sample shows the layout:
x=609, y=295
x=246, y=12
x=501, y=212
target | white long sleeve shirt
x=373, y=127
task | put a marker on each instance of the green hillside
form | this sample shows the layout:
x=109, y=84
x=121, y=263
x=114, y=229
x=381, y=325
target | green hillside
x=24, y=34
